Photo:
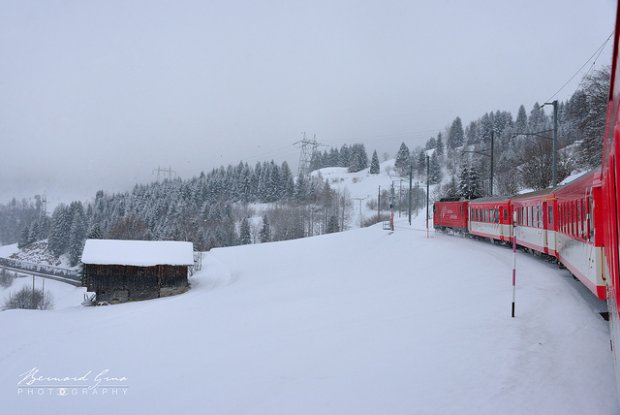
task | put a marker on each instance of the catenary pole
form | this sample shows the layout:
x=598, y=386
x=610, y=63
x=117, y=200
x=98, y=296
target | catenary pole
x=514, y=263
x=410, y=189
x=554, y=179
x=427, y=189
x=379, y=206
x=492, y=148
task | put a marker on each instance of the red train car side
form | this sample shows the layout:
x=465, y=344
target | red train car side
x=611, y=201
x=536, y=220
x=450, y=214
x=579, y=236
x=491, y=217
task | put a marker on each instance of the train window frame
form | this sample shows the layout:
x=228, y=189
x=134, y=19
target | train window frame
x=578, y=217
x=550, y=214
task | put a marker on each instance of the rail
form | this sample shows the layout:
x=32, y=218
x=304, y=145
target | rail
x=69, y=276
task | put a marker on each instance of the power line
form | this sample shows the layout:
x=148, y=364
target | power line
x=596, y=53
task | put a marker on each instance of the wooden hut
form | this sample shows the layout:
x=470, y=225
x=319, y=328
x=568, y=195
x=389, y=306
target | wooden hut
x=118, y=271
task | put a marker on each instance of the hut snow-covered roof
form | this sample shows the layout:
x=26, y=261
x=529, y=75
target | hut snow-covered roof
x=137, y=253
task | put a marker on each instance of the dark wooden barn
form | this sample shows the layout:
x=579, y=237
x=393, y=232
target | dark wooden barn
x=118, y=271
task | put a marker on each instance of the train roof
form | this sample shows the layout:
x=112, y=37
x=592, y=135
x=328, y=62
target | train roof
x=535, y=194
x=491, y=199
x=592, y=178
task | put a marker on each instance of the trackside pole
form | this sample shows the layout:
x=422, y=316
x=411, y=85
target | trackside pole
x=514, y=268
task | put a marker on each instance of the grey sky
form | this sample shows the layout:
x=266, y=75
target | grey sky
x=96, y=94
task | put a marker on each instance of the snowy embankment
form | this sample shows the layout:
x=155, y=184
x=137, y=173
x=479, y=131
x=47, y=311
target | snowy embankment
x=361, y=322
x=365, y=186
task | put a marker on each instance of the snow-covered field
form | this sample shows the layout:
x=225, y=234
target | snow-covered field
x=360, y=322
x=365, y=186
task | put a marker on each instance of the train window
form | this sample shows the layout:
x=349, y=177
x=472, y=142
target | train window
x=592, y=227
x=541, y=223
x=568, y=218
x=573, y=218
x=550, y=214
x=584, y=219
x=577, y=219
x=505, y=215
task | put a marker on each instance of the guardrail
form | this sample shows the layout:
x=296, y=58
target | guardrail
x=70, y=276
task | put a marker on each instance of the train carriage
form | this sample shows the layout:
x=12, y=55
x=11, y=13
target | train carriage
x=611, y=201
x=579, y=237
x=450, y=214
x=536, y=224
x=491, y=217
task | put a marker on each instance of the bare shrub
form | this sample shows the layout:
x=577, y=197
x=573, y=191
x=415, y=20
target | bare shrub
x=27, y=299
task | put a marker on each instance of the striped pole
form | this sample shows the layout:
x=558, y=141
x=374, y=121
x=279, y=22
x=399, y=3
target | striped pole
x=514, y=269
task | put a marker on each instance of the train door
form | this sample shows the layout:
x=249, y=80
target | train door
x=612, y=230
x=543, y=223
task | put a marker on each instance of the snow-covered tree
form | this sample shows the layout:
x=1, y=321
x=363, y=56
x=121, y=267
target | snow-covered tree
x=374, y=164
x=401, y=164
x=469, y=183
x=456, y=135
x=435, y=169
x=245, y=237
x=265, y=232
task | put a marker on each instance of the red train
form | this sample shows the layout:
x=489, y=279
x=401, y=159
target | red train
x=562, y=223
x=578, y=223
x=610, y=214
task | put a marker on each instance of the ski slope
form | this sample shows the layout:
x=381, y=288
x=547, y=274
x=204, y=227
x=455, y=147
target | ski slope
x=360, y=322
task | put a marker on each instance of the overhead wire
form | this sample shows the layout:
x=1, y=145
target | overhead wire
x=596, y=53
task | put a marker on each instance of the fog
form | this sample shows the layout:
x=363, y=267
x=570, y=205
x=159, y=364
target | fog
x=98, y=94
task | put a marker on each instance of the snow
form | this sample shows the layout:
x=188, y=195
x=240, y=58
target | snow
x=63, y=295
x=360, y=322
x=137, y=253
x=365, y=186
x=574, y=176
x=8, y=250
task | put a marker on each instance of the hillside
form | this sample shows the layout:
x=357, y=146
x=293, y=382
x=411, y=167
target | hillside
x=360, y=322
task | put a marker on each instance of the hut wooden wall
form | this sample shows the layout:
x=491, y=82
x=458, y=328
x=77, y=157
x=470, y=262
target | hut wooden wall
x=118, y=283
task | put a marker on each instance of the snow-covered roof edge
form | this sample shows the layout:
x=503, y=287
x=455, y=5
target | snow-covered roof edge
x=137, y=253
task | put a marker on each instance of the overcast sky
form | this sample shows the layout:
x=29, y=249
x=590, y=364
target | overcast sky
x=96, y=94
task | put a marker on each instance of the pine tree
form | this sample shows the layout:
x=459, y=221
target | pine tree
x=95, y=232
x=24, y=237
x=521, y=122
x=401, y=164
x=421, y=163
x=332, y=225
x=60, y=228
x=77, y=233
x=451, y=190
x=245, y=238
x=265, y=232
x=359, y=159
x=469, y=183
x=440, y=149
x=374, y=164
x=435, y=169
x=456, y=136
